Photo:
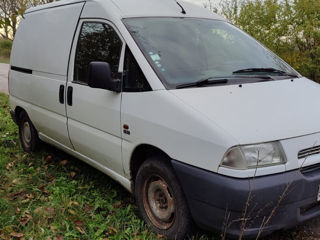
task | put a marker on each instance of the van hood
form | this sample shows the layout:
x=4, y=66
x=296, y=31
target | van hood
x=259, y=112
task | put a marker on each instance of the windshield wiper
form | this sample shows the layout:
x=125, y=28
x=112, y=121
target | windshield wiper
x=202, y=82
x=267, y=70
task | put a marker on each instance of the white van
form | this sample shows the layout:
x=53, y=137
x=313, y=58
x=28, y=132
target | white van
x=196, y=118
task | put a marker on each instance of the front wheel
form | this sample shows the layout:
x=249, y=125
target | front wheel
x=161, y=200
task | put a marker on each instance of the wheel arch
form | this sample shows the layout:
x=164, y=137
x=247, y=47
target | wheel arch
x=17, y=111
x=140, y=154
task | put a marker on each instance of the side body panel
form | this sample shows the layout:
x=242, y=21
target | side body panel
x=94, y=117
x=42, y=45
x=160, y=119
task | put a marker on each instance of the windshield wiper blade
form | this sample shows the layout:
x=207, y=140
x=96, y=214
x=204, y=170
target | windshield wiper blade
x=202, y=82
x=267, y=70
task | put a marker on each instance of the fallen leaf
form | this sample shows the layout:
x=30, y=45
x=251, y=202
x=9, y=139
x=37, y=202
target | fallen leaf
x=49, y=211
x=88, y=208
x=21, y=195
x=10, y=165
x=25, y=219
x=80, y=230
x=53, y=228
x=18, y=210
x=72, y=212
x=73, y=203
x=16, y=235
x=117, y=204
x=58, y=237
x=30, y=196
x=43, y=189
x=48, y=158
x=15, y=181
x=78, y=223
x=64, y=162
x=112, y=229
x=37, y=210
x=72, y=174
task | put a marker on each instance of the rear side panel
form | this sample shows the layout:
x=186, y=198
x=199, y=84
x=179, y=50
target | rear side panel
x=44, y=39
x=39, y=64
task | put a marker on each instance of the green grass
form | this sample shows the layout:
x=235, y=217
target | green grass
x=4, y=60
x=51, y=195
x=5, y=50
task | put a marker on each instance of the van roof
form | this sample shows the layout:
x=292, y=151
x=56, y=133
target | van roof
x=142, y=8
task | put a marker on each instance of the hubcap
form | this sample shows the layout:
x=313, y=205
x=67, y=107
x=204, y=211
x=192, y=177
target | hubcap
x=26, y=133
x=159, y=203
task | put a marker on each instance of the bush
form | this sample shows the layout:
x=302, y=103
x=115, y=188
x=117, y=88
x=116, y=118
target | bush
x=290, y=28
x=5, y=47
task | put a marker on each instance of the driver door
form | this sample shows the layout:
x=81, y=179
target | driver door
x=94, y=114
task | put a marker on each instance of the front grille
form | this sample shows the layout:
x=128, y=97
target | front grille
x=313, y=170
x=308, y=152
x=309, y=209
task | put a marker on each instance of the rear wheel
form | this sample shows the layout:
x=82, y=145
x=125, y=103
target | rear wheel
x=28, y=134
x=161, y=200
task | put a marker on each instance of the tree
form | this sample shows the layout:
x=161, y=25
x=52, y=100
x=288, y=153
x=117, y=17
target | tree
x=291, y=28
x=210, y=5
x=11, y=11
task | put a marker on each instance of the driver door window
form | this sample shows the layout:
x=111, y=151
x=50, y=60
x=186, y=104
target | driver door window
x=97, y=42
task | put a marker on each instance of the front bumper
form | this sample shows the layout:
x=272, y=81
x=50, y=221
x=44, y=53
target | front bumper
x=218, y=202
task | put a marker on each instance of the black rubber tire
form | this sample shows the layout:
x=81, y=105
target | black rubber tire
x=34, y=143
x=182, y=224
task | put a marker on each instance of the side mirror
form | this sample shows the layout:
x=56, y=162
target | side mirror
x=100, y=77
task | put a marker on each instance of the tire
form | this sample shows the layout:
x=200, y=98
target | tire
x=161, y=201
x=27, y=133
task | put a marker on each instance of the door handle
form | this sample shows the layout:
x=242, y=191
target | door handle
x=69, y=95
x=61, y=94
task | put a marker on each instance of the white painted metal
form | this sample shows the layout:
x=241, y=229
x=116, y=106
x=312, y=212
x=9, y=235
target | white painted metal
x=94, y=118
x=259, y=112
x=44, y=38
x=42, y=44
x=195, y=126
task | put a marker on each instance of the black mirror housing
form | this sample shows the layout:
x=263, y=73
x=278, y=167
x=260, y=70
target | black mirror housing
x=100, y=77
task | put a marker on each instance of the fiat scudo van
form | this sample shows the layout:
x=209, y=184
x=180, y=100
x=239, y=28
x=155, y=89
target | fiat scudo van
x=197, y=119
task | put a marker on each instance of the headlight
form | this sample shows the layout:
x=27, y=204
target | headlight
x=251, y=156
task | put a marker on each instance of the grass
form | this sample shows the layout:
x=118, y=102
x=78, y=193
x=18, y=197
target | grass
x=4, y=60
x=5, y=50
x=51, y=195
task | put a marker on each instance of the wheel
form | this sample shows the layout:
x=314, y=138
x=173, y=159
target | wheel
x=161, y=201
x=28, y=134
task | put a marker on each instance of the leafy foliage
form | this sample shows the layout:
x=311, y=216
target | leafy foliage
x=290, y=28
x=11, y=11
x=5, y=48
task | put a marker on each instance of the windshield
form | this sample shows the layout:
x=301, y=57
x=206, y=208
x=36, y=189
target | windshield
x=186, y=50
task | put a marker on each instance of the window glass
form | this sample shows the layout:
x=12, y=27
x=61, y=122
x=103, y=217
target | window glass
x=186, y=50
x=97, y=42
x=133, y=79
